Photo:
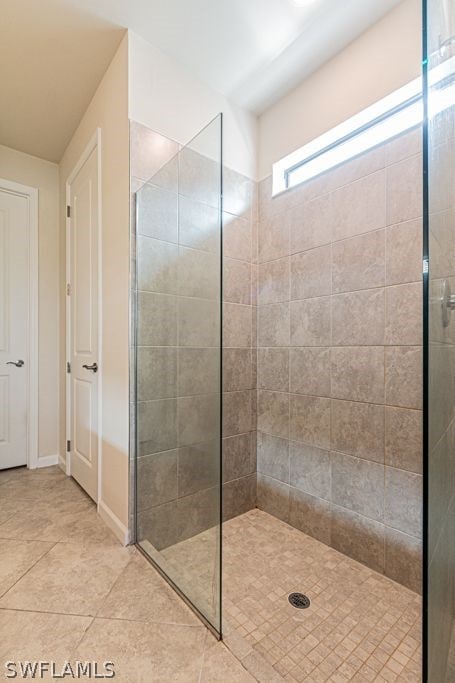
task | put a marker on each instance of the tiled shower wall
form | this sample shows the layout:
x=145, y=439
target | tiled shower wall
x=339, y=357
x=178, y=334
x=239, y=343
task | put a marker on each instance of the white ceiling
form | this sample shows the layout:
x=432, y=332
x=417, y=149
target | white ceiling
x=54, y=52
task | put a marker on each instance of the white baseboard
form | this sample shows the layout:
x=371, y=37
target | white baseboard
x=113, y=522
x=47, y=461
x=62, y=463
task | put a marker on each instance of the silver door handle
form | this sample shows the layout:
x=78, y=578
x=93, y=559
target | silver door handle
x=93, y=368
x=18, y=363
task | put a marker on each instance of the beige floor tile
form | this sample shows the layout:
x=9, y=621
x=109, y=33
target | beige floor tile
x=35, y=636
x=220, y=666
x=16, y=557
x=43, y=521
x=140, y=594
x=70, y=579
x=146, y=653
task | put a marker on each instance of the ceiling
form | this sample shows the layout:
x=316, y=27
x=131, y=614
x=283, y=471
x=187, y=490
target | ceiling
x=53, y=53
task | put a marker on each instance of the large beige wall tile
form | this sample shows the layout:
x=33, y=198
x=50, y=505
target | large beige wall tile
x=359, y=262
x=360, y=207
x=311, y=515
x=237, y=412
x=403, y=501
x=157, y=319
x=403, y=559
x=358, y=485
x=239, y=456
x=403, y=146
x=157, y=265
x=310, y=420
x=310, y=371
x=358, y=318
x=358, y=429
x=157, y=425
x=199, y=225
x=273, y=497
x=274, y=325
x=198, y=467
x=310, y=469
x=273, y=281
x=237, y=369
x=403, y=439
x=273, y=413
x=311, y=224
x=156, y=372
x=198, y=322
x=310, y=322
x=237, y=326
x=273, y=369
x=198, y=418
x=404, y=314
x=198, y=371
x=403, y=376
x=273, y=237
x=273, y=457
x=199, y=273
x=156, y=479
x=404, y=190
x=358, y=537
x=237, y=238
x=404, y=252
x=157, y=213
x=236, y=282
x=358, y=373
x=311, y=273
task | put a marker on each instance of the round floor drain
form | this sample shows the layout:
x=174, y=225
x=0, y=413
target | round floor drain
x=299, y=600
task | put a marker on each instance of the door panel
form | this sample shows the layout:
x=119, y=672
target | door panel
x=84, y=325
x=14, y=287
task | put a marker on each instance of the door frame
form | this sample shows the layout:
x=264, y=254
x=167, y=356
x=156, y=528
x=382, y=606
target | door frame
x=31, y=195
x=94, y=143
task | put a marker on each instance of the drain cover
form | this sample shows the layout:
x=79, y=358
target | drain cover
x=299, y=600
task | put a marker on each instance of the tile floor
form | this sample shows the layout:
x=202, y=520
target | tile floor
x=69, y=591
x=360, y=627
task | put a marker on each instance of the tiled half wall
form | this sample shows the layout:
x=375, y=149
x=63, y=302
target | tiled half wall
x=340, y=356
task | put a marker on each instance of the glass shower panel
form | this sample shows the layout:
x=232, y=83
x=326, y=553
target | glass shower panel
x=178, y=469
x=440, y=233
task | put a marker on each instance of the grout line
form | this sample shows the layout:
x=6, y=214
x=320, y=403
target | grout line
x=29, y=569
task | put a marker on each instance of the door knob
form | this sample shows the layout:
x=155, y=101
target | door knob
x=18, y=363
x=93, y=368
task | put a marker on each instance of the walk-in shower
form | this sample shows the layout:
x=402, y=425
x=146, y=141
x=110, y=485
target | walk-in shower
x=291, y=398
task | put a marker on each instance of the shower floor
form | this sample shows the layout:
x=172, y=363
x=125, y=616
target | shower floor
x=360, y=626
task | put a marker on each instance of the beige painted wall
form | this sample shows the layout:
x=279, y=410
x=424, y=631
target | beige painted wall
x=382, y=59
x=29, y=170
x=108, y=110
x=169, y=99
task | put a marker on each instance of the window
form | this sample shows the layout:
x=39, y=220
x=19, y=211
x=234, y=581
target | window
x=398, y=112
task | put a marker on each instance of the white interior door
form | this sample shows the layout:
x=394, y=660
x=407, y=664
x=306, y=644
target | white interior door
x=14, y=328
x=83, y=228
